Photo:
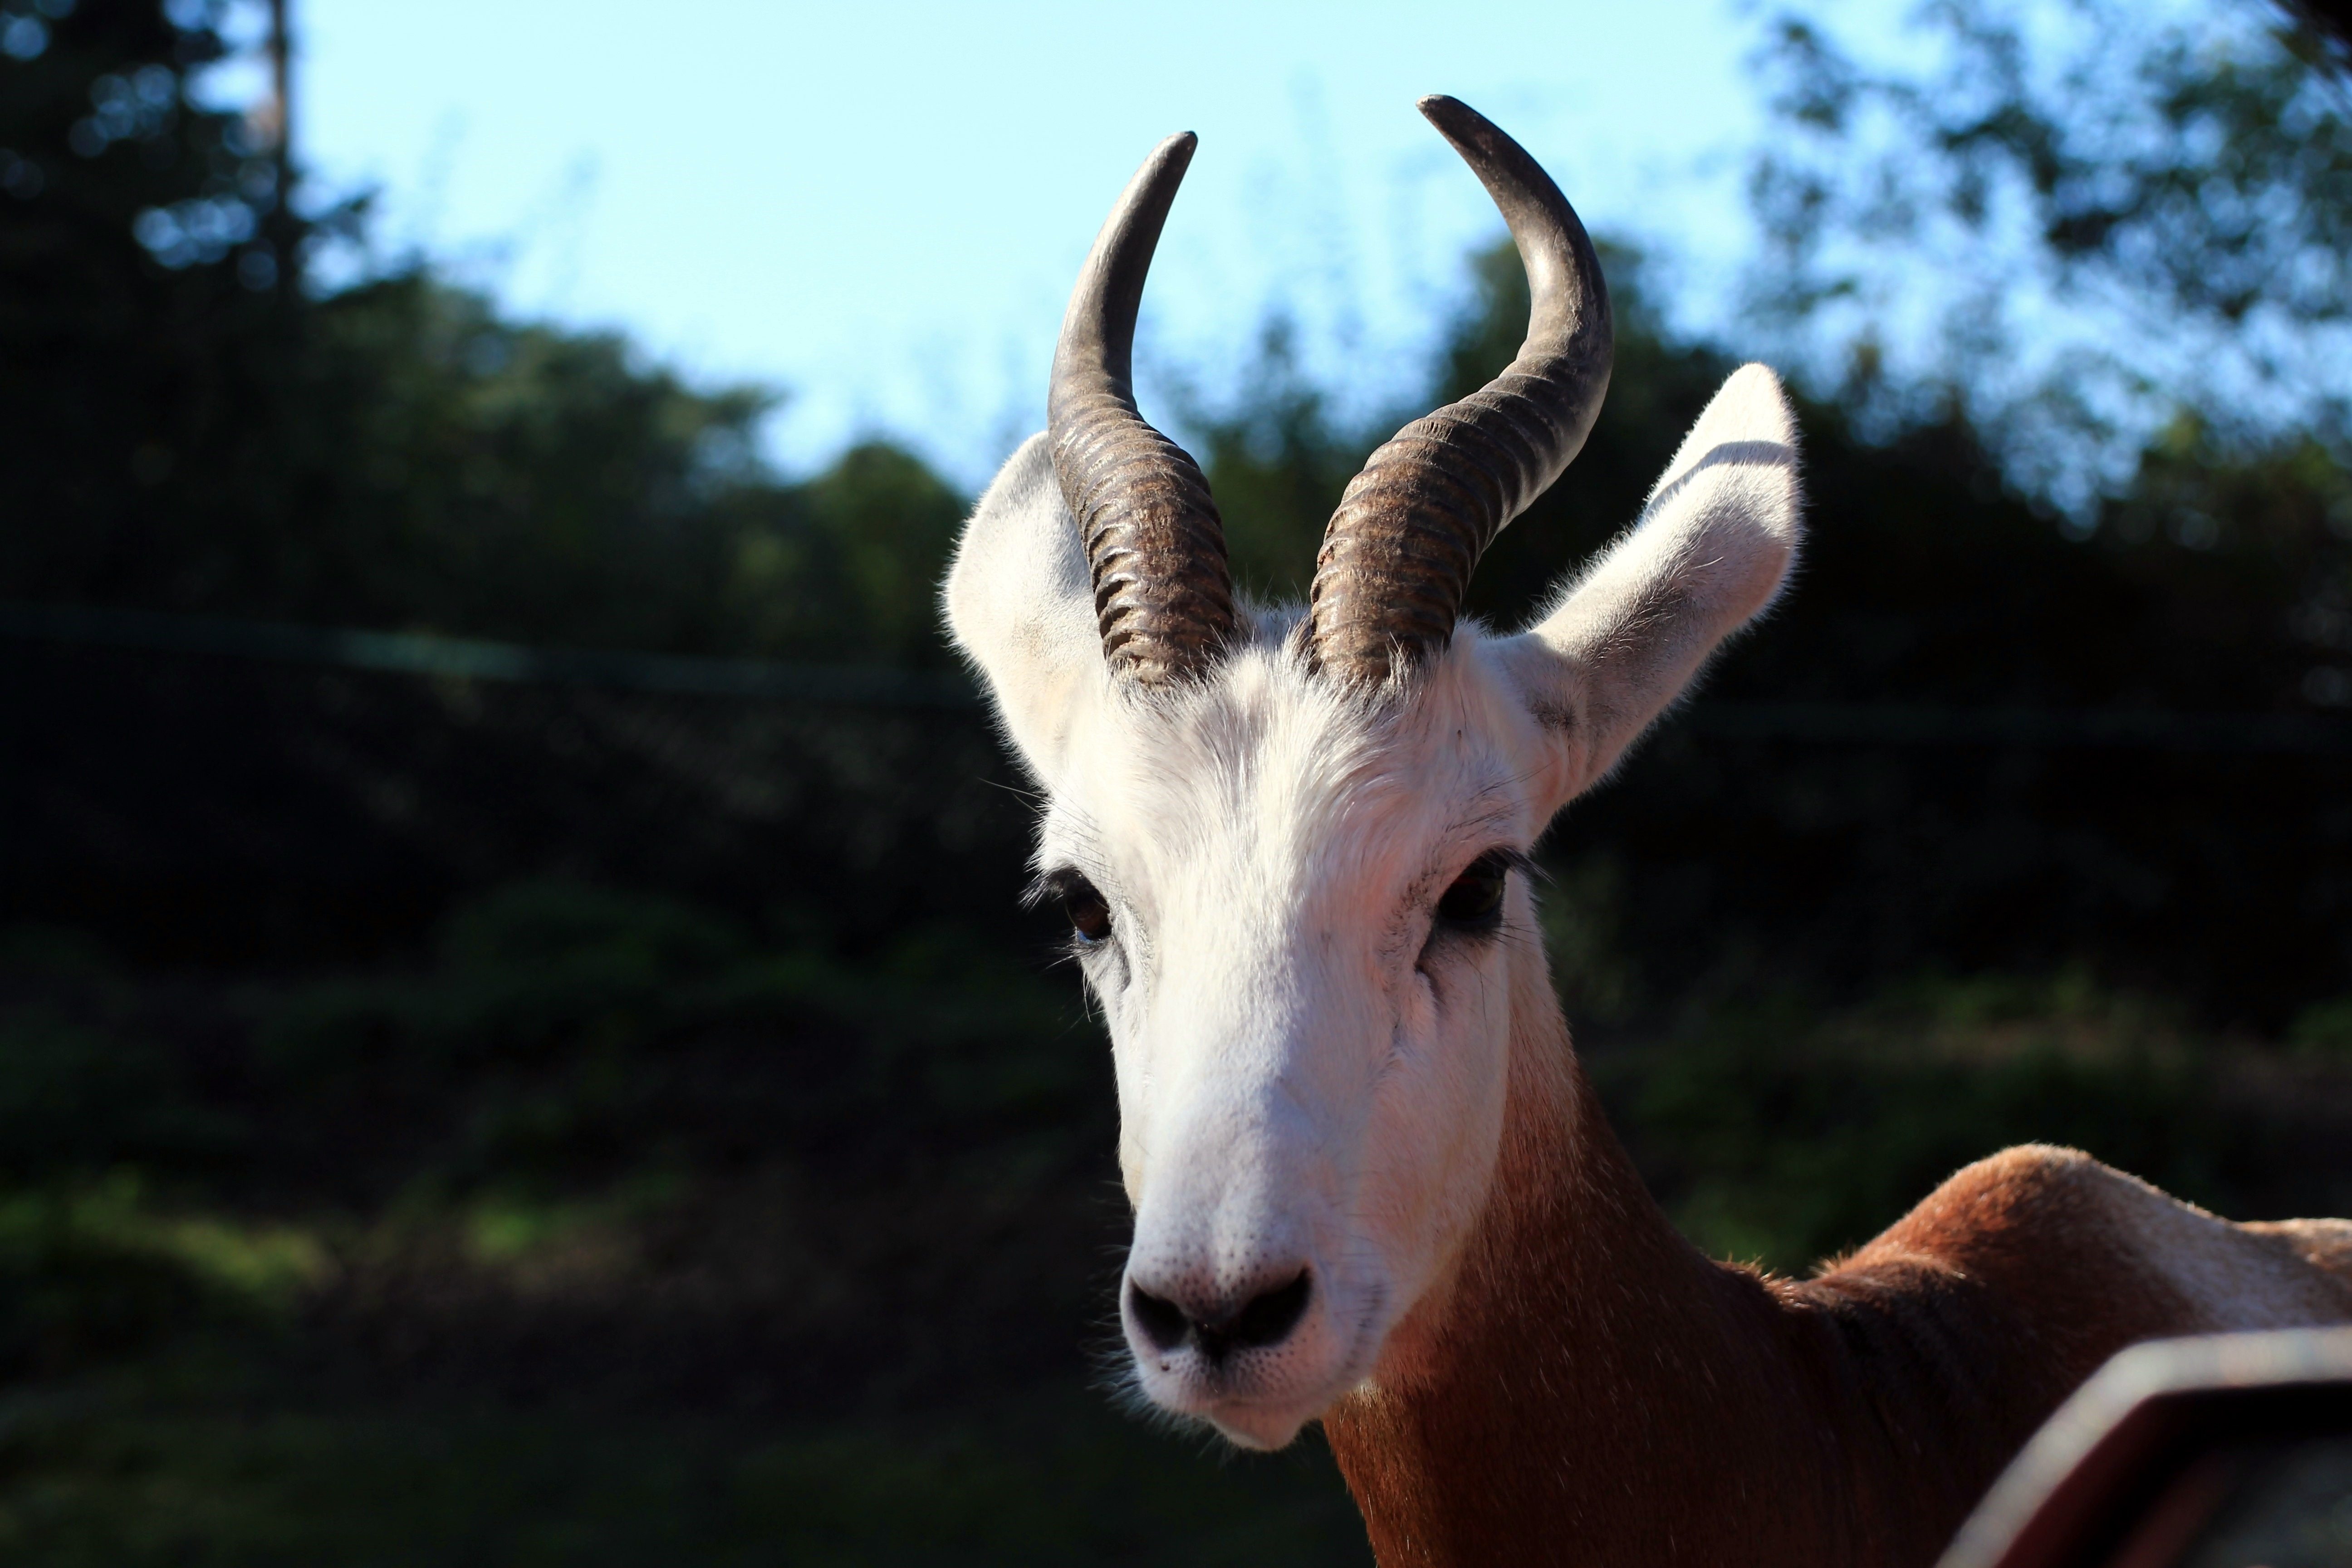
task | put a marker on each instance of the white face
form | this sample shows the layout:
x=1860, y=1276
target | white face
x=1295, y=915
x=1299, y=909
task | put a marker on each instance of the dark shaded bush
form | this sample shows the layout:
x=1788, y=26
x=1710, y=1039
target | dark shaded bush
x=1788, y=1133
x=73, y=1297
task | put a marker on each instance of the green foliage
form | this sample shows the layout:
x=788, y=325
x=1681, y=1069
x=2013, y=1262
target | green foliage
x=1049, y=1481
x=621, y=1153
x=2203, y=163
x=396, y=454
x=74, y=1095
x=492, y=478
x=2325, y=1028
x=1277, y=459
x=487, y=476
x=570, y=1036
x=180, y=342
x=77, y=1291
x=94, y=1273
x=1582, y=911
x=1277, y=464
x=849, y=565
x=890, y=525
x=1786, y=1132
x=85, y=1090
x=601, y=1140
x=2072, y=221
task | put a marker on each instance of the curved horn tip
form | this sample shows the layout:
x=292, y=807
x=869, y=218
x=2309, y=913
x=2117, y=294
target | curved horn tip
x=1411, y=526
x=1154, y=544
x=1452, y=117
x=1179, y=147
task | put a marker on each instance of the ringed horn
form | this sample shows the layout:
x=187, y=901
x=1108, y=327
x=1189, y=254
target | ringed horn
x=1397, y=554
x=1155, y=546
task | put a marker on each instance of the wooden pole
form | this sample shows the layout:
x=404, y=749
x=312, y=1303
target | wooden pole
x=280, y=226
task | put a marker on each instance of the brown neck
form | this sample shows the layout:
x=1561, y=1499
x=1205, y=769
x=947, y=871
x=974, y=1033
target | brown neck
x=1588, y=1387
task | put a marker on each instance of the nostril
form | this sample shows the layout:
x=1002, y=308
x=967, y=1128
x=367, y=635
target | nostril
x=1266, y=1319
x=1162, y=1323
x=1269, y=1317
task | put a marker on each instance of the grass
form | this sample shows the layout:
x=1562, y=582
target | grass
x=613, y=1234
x=124, y=1476
x=610, y=1235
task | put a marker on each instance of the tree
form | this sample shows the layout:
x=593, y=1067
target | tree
x=184, y=431
x=139, y=321
x=2076, y=222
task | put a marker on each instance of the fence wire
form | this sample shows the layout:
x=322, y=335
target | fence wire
x=426, y=654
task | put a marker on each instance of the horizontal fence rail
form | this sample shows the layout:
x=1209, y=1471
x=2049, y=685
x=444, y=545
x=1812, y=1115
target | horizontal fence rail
x=417, y=653
x=1830, y=723
x=1896, y=723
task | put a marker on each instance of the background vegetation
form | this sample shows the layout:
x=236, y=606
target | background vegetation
x=446, y=1120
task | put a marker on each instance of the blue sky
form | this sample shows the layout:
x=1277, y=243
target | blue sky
x=879, y=207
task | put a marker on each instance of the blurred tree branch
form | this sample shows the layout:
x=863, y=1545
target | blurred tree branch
x=2078, y=221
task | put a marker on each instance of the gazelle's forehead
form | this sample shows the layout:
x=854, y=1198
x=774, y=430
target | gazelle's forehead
x=1266, y=773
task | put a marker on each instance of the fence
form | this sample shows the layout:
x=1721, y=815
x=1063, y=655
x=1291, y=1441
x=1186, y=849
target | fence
x=214, y=790
x=466, y=658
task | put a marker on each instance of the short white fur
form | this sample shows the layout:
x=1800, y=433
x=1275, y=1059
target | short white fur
x=1310, y=1066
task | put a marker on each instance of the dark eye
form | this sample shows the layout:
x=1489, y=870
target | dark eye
x=1089, y=911
x=1474, y=901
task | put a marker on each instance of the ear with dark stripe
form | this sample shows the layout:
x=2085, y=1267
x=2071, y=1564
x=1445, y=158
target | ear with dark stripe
x=1711, y=551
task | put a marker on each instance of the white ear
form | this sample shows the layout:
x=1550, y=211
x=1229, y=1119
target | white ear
x=1021, y=607
x=1712, y=549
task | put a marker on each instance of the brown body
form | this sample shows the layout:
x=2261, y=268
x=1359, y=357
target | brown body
x=1587, y=1388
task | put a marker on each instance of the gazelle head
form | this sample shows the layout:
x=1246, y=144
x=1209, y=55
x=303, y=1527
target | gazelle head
x=1292, y=841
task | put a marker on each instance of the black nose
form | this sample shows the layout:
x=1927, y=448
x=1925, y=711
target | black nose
x=1265, y=1319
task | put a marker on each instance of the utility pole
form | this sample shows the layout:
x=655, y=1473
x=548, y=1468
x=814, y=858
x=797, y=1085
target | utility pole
x=280, y=79
x=280, y=225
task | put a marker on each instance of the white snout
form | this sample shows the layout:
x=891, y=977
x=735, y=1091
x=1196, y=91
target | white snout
x=1235, y=1306
x=1257, y=1358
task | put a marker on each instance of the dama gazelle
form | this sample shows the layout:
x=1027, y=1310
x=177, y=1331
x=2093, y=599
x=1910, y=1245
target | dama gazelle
x=1370, y=1184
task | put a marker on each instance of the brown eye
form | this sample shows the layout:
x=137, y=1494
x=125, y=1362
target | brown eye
x=1087, y=909
x=1474, y=901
